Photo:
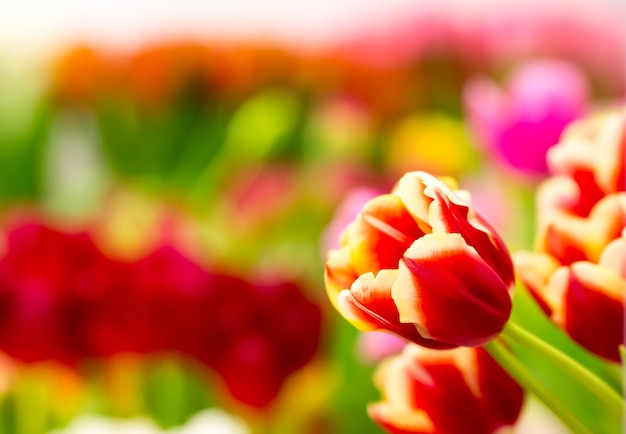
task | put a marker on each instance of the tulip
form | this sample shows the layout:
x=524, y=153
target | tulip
x=521, y=121
x=588, y=163
x=254, y=336
x=577, y=271
x=46, y=277
x=420, y=262
x=460, y=390
x=578, y=275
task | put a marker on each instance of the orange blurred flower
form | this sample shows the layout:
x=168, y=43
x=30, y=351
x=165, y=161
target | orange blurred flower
x=161, y=73
x=421, y=263
x=83, y=74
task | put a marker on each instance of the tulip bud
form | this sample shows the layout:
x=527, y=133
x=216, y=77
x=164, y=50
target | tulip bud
x=421, y=263
x=460, y=390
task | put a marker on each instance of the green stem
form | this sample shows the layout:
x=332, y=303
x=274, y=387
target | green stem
x=582, y=374
x=525, y=377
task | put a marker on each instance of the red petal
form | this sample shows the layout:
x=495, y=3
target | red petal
x=339, y=273
x=592, y=310
x=454, y=294
x=447, y=214
x=369, y=306
x=381, y=234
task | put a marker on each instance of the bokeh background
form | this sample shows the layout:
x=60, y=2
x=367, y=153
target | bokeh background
x=172, y=173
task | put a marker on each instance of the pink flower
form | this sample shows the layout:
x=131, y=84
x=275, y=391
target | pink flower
x=518, y=122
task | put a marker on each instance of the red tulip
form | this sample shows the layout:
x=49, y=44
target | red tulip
x=255, y=336
x=588, y=163
x=421, y=263
x=445, y=392
x=578, y=269
x=46, y=277
x=579, y=274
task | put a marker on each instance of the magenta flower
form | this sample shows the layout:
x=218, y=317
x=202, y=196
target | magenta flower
x=518, y=122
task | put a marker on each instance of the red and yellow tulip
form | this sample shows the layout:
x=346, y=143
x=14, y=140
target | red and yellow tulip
x=578, y=269
x=421, y=263
x=460, y=390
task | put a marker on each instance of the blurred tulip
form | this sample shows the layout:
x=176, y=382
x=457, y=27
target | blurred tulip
x=160, y=74
x=578, y=275
x=437, y=143
x=254, y=335
x=578, y=269
x=445, y=392
x=62, y=299
x=518, y=123
x=84, y=74
x=588, y=163
x=46, y=276
x=421, y=263
x=147, y=308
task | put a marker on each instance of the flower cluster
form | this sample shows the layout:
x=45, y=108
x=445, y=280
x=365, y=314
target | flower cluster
x=421, y=263
x=62, y=298
x=578, y=269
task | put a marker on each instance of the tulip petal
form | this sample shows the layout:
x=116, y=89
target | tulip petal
x=380, y=234
x=369, y=306
x=339, y=273
x=410, y=189
x=449, y=211
x=609, y=163
x=614, y=255
x=397, y=414
x=369, y=301
x=570, y=238
x=535, y=270
x=449, y=290
x=591, y=300
x=453, y=216
x=457, y=391
x=559, y=194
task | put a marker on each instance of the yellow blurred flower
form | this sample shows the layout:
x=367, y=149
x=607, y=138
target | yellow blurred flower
x=433, y=142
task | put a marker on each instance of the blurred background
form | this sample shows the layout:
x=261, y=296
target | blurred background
x=172, y=173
